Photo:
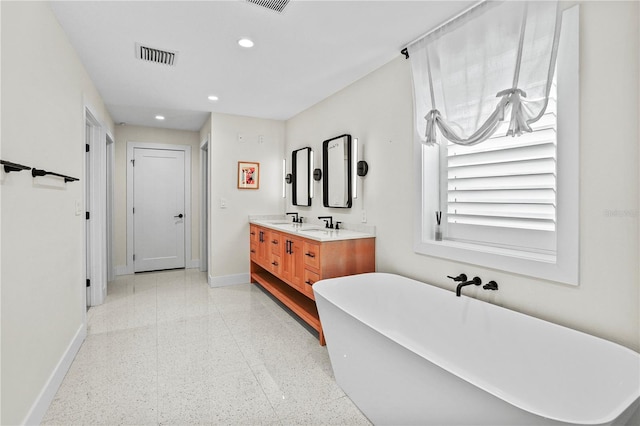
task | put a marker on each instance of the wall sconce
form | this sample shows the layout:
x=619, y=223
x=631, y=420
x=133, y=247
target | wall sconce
x=360, y=166
x=286, y=178
x=311, y=165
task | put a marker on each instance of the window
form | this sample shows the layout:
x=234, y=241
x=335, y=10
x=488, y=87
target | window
x=511, y=203
x=498, y=191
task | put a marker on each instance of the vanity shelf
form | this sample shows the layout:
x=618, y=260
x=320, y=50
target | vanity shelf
x=287, y=265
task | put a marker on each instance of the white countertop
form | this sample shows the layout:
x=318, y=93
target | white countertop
x=311, y=231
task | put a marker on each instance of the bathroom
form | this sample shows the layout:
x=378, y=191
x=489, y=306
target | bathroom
x=378, y=110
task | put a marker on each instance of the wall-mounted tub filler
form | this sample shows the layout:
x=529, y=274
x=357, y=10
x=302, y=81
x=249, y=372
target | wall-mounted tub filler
x=448, y=361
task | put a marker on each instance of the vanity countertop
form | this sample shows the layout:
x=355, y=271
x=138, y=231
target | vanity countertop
x=311, y=231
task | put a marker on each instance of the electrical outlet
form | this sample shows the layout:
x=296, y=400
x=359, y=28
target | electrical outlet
x=364, y=217
x=260, y=139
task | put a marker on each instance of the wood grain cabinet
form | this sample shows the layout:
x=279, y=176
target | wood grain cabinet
x=287, y=266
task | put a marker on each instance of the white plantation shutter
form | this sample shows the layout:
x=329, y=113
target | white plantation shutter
x=505, y=182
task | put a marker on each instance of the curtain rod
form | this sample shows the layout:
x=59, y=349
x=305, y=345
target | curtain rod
x=404, y=50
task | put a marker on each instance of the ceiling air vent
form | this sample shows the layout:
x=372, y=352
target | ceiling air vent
x=159, y=56
x=277, y=5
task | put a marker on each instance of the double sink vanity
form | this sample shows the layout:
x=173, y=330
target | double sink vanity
x=288, y=258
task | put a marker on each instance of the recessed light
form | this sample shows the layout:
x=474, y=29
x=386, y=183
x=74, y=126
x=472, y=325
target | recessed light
x=213, y=98
x=159, y=117
x=245, y=42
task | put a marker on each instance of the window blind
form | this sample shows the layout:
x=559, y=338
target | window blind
x=506, y=182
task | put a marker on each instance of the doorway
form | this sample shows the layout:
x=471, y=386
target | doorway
x=158, y=212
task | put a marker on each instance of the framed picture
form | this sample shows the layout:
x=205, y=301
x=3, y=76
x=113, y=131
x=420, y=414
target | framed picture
x=248, y=175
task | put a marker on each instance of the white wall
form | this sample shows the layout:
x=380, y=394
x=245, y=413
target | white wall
x=44, y=87
x=378, y=110
x=124, y=134
x=229, y=227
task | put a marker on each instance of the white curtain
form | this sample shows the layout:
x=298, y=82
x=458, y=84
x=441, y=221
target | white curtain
x=494, y=63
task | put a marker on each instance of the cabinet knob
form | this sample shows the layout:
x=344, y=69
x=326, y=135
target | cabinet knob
x=312, y=255
x=274, y=242
x=309, y=282
x=274, y=263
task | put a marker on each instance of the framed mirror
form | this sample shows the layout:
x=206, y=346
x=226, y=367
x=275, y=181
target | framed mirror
x=336, y=173
x=301, y=169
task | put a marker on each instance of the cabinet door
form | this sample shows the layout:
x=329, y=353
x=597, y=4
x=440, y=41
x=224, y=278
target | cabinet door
x=311, y=254
x=263, y=247
x=293, y=262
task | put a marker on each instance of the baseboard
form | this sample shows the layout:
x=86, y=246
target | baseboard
x=48, y=392
x=226, y=280
x=123, y=270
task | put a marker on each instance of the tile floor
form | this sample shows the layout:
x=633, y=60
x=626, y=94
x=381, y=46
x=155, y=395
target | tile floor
x=167, y=349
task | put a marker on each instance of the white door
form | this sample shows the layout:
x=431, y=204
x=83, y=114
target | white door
x=158, y=209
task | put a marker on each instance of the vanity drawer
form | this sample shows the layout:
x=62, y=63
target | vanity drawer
x=275, y=264
x=311, y=254
x=253, y=233
x=310, y=278
x=275, y=241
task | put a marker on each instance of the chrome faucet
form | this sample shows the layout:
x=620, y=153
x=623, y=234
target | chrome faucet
x=328, y=223
x=474, y=281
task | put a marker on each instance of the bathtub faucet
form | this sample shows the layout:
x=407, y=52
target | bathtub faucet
x=475, y=281
x=461, y=277
x=491, y=285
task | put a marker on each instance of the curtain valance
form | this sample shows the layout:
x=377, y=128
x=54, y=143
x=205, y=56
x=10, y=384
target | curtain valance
x=492, y=64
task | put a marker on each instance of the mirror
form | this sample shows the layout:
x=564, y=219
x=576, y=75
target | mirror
x=301, y=168
x=336, y=173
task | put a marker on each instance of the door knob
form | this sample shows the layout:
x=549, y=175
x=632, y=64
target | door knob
x=180, y=216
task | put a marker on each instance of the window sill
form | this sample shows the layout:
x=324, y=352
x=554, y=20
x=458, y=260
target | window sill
x=538, y=265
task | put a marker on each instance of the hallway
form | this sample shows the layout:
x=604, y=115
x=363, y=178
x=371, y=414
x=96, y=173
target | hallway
x=166, y=348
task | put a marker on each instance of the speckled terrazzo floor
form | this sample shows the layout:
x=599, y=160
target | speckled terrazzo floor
x=167, y=349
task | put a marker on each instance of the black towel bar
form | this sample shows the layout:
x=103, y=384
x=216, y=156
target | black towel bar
x=13, y=167
x=39, y=172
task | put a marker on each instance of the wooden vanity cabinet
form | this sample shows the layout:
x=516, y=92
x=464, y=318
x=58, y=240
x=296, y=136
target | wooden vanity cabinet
x=287, y=266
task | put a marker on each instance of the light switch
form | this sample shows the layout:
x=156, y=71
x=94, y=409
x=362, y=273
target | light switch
x=223, y=203
x=78, y=207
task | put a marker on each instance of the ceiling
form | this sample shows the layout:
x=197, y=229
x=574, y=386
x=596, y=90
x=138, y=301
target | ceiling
x=301, y=56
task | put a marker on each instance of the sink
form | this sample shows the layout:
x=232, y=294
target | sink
x=315, y=230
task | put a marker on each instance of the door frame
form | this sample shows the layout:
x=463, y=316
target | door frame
x=110, y=230
x=95, y=204
x=204, y=205
x=131, y=145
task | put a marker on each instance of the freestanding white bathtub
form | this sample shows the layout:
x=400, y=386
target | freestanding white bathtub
x=410, y=353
